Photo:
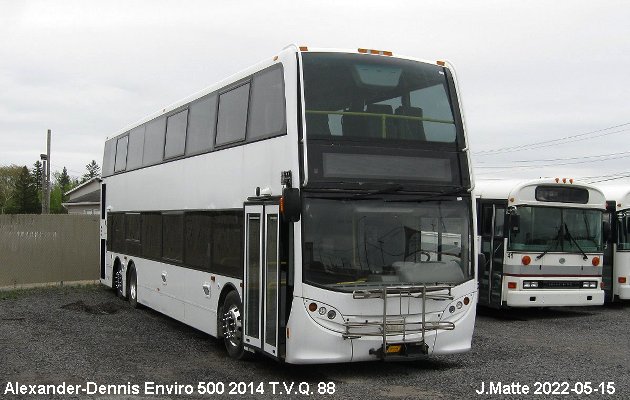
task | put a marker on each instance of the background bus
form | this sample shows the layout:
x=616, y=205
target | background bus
x=616, y=272
x=543, y=243
x=314, y=208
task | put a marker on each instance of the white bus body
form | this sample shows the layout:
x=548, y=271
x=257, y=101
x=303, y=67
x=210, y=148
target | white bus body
x=617, y=252
x=543, y=243
x=376, y=262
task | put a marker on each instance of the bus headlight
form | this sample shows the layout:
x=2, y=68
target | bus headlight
x=589, y=285
x=530, y=285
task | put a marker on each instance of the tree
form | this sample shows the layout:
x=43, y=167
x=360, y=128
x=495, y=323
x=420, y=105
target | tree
x=8, y=177
x=25, y=199
x=38, y=173
x=93, y=171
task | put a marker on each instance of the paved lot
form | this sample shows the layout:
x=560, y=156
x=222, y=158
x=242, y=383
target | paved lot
x=79, y=335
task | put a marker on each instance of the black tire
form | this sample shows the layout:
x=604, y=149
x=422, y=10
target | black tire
x=132, y=287
x=117, y=281
x=231, y=325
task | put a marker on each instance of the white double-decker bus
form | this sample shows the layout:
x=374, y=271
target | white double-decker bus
x=542, y=241
x=314, y=208
x=617, y=251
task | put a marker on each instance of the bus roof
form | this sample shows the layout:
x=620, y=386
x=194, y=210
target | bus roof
x=523, y=192
x=618, y=193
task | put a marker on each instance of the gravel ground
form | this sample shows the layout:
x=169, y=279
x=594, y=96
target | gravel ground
x=85, y=334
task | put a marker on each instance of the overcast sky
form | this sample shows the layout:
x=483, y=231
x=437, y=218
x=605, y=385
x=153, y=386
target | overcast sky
x=529, y=71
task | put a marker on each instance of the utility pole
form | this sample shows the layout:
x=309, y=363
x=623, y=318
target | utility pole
x=46, y=177
x=48, y=173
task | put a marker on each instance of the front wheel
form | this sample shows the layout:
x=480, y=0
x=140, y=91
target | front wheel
x=232, y=326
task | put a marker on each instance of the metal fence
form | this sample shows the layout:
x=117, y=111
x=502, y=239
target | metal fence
x=37, y=249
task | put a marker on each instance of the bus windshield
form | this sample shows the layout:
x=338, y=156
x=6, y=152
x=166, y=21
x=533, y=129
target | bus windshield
x=623, y=228
x=357, y=96
x=551, y=229
x=350, y=244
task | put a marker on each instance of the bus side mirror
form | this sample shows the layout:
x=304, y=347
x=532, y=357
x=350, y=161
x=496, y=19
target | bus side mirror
x=606, y=231
x=290, y=204
x=515, y=223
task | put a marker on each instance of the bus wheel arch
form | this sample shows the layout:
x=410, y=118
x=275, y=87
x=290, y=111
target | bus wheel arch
x=224, y=292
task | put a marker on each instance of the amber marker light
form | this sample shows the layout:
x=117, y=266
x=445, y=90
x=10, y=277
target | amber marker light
x=511, y=285
x=466, y=300
x=595, y=261
x=526, y=260
x=312, y=307
x=303, y=48
x=440, y=63
x=362, y=51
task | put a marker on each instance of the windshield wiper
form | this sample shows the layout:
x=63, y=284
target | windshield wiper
x=556, y=242
x=458, y=189
x=387, y=189
x=571, y=238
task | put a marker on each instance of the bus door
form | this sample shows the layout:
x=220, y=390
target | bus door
x=492, y=246
x=261, y=283
x=609, y=251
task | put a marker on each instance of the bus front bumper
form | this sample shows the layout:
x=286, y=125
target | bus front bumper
x=554, y=298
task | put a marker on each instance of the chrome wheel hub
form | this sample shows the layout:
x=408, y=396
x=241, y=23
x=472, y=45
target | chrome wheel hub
x=132, y=290
x=233, y=326
x=118, y=279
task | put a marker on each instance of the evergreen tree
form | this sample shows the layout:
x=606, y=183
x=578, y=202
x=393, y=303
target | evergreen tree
x=38, y=173
x=8, y=176
x=93, y=171
x=64, y=183
x=25, y=200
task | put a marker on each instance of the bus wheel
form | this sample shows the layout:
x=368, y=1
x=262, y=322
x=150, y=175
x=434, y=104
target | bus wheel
x=232, y=325
x=133, y=287
x=118, y=282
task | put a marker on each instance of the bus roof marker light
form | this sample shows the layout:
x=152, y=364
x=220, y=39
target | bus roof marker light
x=571, y=180
x=557, y=180
x=303, y=48
x=595, y=261
x=441, y=63
x=362, y=51
x=564, y=180
x=275, y=58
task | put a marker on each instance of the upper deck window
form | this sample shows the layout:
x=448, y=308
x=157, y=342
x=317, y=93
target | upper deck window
x=232, y=121
x=201, y=125
x=121, y=154
x=136, y=144
x=364, y=97
x=266, y=114
x=154, y=142
x=176, y=134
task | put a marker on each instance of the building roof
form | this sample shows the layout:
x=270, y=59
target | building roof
x=82, y=185
x=92, y=197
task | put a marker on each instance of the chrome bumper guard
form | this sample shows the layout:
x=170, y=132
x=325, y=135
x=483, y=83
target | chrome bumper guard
x=397, y=325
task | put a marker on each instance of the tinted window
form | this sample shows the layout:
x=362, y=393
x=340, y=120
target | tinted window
x=133, y=231
x=136, y=144
x=201, y=125
x=121, y=154
x=152, y=235
x=227, y=243
x=197, y=240
x=562, y=194
x=172, y=236
x=116, y=234
x=267, y=106
x=232, y=115
x=109, y=156
x=376, y=98
x=176, y=134
x=154, y=142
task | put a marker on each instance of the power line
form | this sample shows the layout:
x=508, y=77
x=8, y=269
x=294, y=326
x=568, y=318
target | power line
x=502, y=167
x=611, y=179
x=564, y=140
x=565, y=159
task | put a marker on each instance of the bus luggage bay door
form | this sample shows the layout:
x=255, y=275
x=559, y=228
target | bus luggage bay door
x=261, y=281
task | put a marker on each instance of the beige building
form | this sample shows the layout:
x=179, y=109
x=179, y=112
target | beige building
x=85, y=198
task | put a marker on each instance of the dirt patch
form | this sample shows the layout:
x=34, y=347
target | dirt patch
x=108, y=307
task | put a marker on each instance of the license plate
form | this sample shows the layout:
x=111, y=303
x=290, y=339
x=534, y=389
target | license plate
x=394, y=348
